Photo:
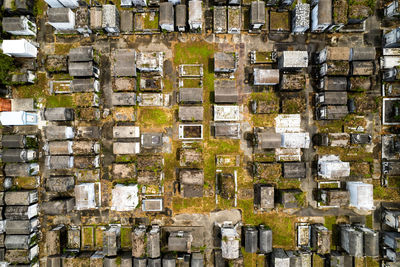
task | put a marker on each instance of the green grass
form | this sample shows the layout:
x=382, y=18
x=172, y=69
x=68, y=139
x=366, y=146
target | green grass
x=125, y=158
x=288, y=184
x=88, y=236
x=126, y=241
x=369, y=221
x=213, y=148
x=191, y=83
x=280, y=21
x=331, y=127
x=301, y=199
x=99, y=237
x=63, y=49
x=199, y=53
x=263, y=120
x=293, y=106
x=62, y=77
x=253, y=259
x=55, y=101
x=222, y=146
x=281, y=224
x=28, y=183
x=371, y=262
x=40, y=8
x=37, y=90
x=318, y=261
x=168, y=85
x=384, y=193
x=394, y=182
x=155, y=117
x=266, y=96
x=347, y=153
x=335, y=126
x=193, y=53
x=149, y=23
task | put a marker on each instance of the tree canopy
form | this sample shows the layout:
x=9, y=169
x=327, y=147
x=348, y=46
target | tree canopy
x=7, y=65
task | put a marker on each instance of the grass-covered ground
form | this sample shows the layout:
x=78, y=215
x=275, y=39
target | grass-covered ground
x=55, y=101
x=63, y=48
x=150, y=20
x=40, y=89
x=154, y=117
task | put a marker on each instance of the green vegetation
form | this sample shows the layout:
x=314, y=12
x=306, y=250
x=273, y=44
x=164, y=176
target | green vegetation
x=194, y=53
x=371, y=262
x=191, y=83
x=168, y=85
x=62, y=77
x=55, y=101
x=99, y=237
x=28, y=183
x=7, y=65
x=279, y=21
x=150, y=20
x=301, y=199
x=88, y=236
x=288, y=183
x=63, y=49
x=213, y=148
x=252, y=259
x=394, y=182
x=358, y=154
x=265, y=96
x=222, y=146
x=155, y=117
x=39, y=9
x=268, y=172
x=348, y=124
x=194, y=204
x=265, y=157
x=126, y=241
x=263, y=120
x=37, y=90
x=202, y=53
x=125, y=158
x=283, y=228
x=317, y=261
x=293, y=106
x=384, y=193
x=329, y=222
x=361, y=169
x=329, y=185
x=369, y=221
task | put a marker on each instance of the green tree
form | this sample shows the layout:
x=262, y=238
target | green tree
x=7, y=65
